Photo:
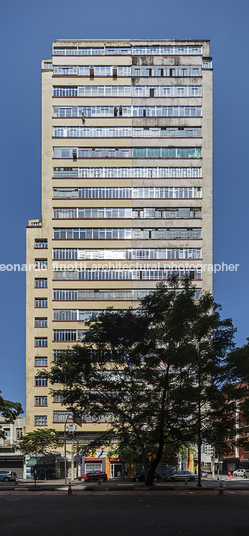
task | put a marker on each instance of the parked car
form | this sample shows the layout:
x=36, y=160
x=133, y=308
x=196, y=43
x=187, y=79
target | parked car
x=168, y=474
x=246, y=473
x=183, y=475
x=141, y=478
x=6, y=476
x=93, y=476
x=239, y=472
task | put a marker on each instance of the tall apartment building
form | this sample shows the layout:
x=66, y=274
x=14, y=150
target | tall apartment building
x=126, y=190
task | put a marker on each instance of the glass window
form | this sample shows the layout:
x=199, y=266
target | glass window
x=62, y=416
x=131, y=172
x=41, y=264
x=41, y=322
x=41, y=283
x=41, y=400
x=40, y=302
x=41, y=420
x=58, y=398
x=41, y=361
x=41, y=382
x=41, y=341
x=64, y=335
x=42, y=244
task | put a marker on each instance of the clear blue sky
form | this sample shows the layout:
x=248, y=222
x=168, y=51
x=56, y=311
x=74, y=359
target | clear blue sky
x=27, y=30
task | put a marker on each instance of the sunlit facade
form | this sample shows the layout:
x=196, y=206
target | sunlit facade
x=126, y=192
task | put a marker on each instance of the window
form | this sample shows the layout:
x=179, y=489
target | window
x=62, y=416
x=91, y=51
x=66, y=70
x=102, y=233
x=41, y=361
x=41, y=341
x=133, y=193
x=41, y=302
x=19, y=433
x=58, y=353
x=40, y=420
x=90, y=213
x=138, y=152
x=61, y=91
x=207, y=63
x=41, y=382
x=41, y=400
x=66, y=254
x=48, y=65
x=41, y=264
x=75, y=314
x=99, y=294
x=126, y=275
x=65, y=51
x=136, y=254
x=65, y=314
x=58, y=398
x=166, y=50
x=41, y=322
x=126, y=132
x=127, y=111
x=128, y=172
x=64, y=335
x=42, y=244
x=41, y=283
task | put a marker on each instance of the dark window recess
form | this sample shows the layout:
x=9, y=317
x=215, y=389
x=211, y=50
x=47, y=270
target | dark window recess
x=115, y=111
x=180, y=128
x=120, y=110
x=74, y=155
x=171, y=72
x=115, y=73
x=152, y=92
x=162, y=72
x=141, y=275
x=150, y=72
x=144, y=113
x=91, y=73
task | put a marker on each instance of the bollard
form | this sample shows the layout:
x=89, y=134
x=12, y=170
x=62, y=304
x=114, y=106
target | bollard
x=221, y=489
x=99, y=482
x=186, y=481
x=69, y=491
x=16, y=481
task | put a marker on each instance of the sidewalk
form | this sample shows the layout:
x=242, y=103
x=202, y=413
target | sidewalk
x=127, y=485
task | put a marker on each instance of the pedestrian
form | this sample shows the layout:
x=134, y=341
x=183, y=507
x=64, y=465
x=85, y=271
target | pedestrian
x=229, y=475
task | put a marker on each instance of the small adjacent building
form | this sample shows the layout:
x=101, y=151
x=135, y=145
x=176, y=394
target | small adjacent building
x=10, y=458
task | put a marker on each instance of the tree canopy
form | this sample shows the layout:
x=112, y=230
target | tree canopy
x=158, y=374
x=10, y=411
x=41, y=441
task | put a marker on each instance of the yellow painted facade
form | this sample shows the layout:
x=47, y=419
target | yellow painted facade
x=168, y=104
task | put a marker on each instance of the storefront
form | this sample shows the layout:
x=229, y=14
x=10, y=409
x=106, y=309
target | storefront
x=41, y=468
x=92, y=464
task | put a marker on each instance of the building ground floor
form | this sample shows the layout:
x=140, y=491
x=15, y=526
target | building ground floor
x=14, y=463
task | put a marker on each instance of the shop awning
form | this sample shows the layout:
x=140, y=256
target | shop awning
x=31, y=462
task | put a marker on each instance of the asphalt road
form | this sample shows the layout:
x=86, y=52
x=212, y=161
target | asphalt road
x=181, y=514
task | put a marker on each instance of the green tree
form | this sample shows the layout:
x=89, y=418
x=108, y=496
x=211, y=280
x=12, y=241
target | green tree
x=238, y=360
x=39, y=442
x=9, y=410
x=158, y=373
